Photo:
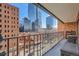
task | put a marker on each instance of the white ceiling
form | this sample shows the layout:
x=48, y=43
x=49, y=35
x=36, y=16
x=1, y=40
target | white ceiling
x=67, y=12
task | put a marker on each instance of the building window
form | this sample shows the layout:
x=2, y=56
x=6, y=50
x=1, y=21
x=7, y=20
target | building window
x=0, y=5
x=8, y=17
x=8, y=26
x=8, y=30
x=5, y=35
x=5, y=16
x=5, y=11
x=0, y=15
x=17, y=18
x=5, y=45
x=11, y=17
x=5, y=6
x=17, y=22
x=0, y=20
x=8, y=35
x=8, y=12
x=12, y=31
x=0, y=25
x=5, y=26
x=14, y=17
x=12, y=35
x=14, y=26
x=0, y=31
x=0, y=10
x=5, y=30
x=5, y=21
x=14, y=9
x=8, y=21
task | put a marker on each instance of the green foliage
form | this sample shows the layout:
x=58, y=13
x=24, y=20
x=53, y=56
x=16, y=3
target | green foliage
x=3, y=53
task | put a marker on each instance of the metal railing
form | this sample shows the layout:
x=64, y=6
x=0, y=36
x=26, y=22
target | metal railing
x=32, y=45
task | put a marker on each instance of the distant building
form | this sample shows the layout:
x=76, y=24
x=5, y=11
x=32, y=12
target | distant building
x=38, y=21
x=34, y=16
x=49, y=22
x=31, y=12
x=27, y=25
x=21, y=27
x=33, y=26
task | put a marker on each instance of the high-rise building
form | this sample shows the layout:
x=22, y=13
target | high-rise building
x=27, y=25
x=33, y=26
x=9, y=24
x=49, y=22
x=31, y=12
x=34, y=16
x=39, y=19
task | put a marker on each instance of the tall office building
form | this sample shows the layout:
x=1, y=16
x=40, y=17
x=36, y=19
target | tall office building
x=9, y=24
x=27, y=25
x=39, y=19
x=33, y=26
x=34, y=16
x=49, y=22
x=31, y=12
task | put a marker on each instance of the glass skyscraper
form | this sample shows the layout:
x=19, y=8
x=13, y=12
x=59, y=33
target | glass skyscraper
x=27, y=24
x=34, y=16
x=32, y=12
x=51, y=22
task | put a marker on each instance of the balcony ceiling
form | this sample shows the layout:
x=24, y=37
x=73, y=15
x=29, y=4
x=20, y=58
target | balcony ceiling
x=67, y=12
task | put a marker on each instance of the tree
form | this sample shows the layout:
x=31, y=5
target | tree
x=3, y=53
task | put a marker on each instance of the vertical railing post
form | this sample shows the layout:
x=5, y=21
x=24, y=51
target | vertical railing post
x=37, y=44
x=34, y=44
x=24, y=44
x=17, y=46
x=40, y=44
x=7, y=47
x=43, y=42
x=29, y=43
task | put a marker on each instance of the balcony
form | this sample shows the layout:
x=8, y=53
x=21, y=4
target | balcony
x=52, y=40
x=33, y=45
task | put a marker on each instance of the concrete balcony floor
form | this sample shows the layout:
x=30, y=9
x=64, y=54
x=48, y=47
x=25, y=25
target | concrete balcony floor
x=56, y=50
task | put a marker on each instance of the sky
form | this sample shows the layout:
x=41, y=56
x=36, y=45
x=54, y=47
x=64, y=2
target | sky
x=23, y=12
